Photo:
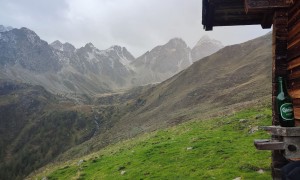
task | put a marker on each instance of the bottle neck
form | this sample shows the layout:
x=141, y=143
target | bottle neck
x=280, y=85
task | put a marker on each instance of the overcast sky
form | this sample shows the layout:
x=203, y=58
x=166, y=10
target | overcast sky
x=139, y=25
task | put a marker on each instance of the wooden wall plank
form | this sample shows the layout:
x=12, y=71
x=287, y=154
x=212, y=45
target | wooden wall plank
x=294, y=63
x=294, y=31
x=294, y=75
x=294, y=83
x=293, y=53
x=296, y=102
x=293, y=40
x=297, y=112
x=294, y=17
x=294, y=92
x=295, y=43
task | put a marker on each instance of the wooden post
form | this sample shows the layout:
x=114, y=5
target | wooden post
x=279, y=68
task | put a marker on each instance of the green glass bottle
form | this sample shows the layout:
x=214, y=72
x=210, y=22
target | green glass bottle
x=284, y=105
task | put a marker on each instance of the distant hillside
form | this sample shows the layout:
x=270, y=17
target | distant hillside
x=36, y=126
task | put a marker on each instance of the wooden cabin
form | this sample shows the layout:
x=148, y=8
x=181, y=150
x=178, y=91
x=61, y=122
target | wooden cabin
x=284, y=15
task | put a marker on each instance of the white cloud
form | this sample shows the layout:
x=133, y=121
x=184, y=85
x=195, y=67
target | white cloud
x=139, y=25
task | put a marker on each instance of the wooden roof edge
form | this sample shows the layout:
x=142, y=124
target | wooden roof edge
x=264, y=7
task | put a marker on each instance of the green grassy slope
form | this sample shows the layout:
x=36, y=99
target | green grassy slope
x=220, y=148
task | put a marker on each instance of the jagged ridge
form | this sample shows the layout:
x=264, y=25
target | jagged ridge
x=61, y=68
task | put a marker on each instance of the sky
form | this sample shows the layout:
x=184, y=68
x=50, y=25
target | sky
x=138, y=25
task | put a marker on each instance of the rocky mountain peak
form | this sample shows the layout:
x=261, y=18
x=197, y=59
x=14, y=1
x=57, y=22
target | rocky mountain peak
x=57, y=42
x=3, y=28
x=28, y=31
x=89, y=45
x=67, y=47
x=204, y=38
x=176, y=42
x=116, y=48
x=125, y=56
x=57, y=45
x=88, y=48
x=205, y=47
x=162, y=62
x=31, y=36
x=207, y=40
x=25, y=48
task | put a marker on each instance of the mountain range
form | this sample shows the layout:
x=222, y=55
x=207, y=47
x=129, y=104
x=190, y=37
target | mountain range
x=63, y=69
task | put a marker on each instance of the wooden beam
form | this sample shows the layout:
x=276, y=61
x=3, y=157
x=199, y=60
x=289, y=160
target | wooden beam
x=267, y=21
x=262, y=5
x=266, y=144
x=281, y=131
x=207, y=15
x=210, y=17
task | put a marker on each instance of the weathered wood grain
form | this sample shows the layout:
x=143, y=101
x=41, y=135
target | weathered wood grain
x=294, y=63
x=260, y=5
x=293, y=31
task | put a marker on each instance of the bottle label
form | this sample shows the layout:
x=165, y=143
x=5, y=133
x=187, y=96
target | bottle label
x=286, y=111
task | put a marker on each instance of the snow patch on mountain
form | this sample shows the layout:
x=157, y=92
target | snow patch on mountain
x=190, y=58
x=179, y=64
x=91, y=57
